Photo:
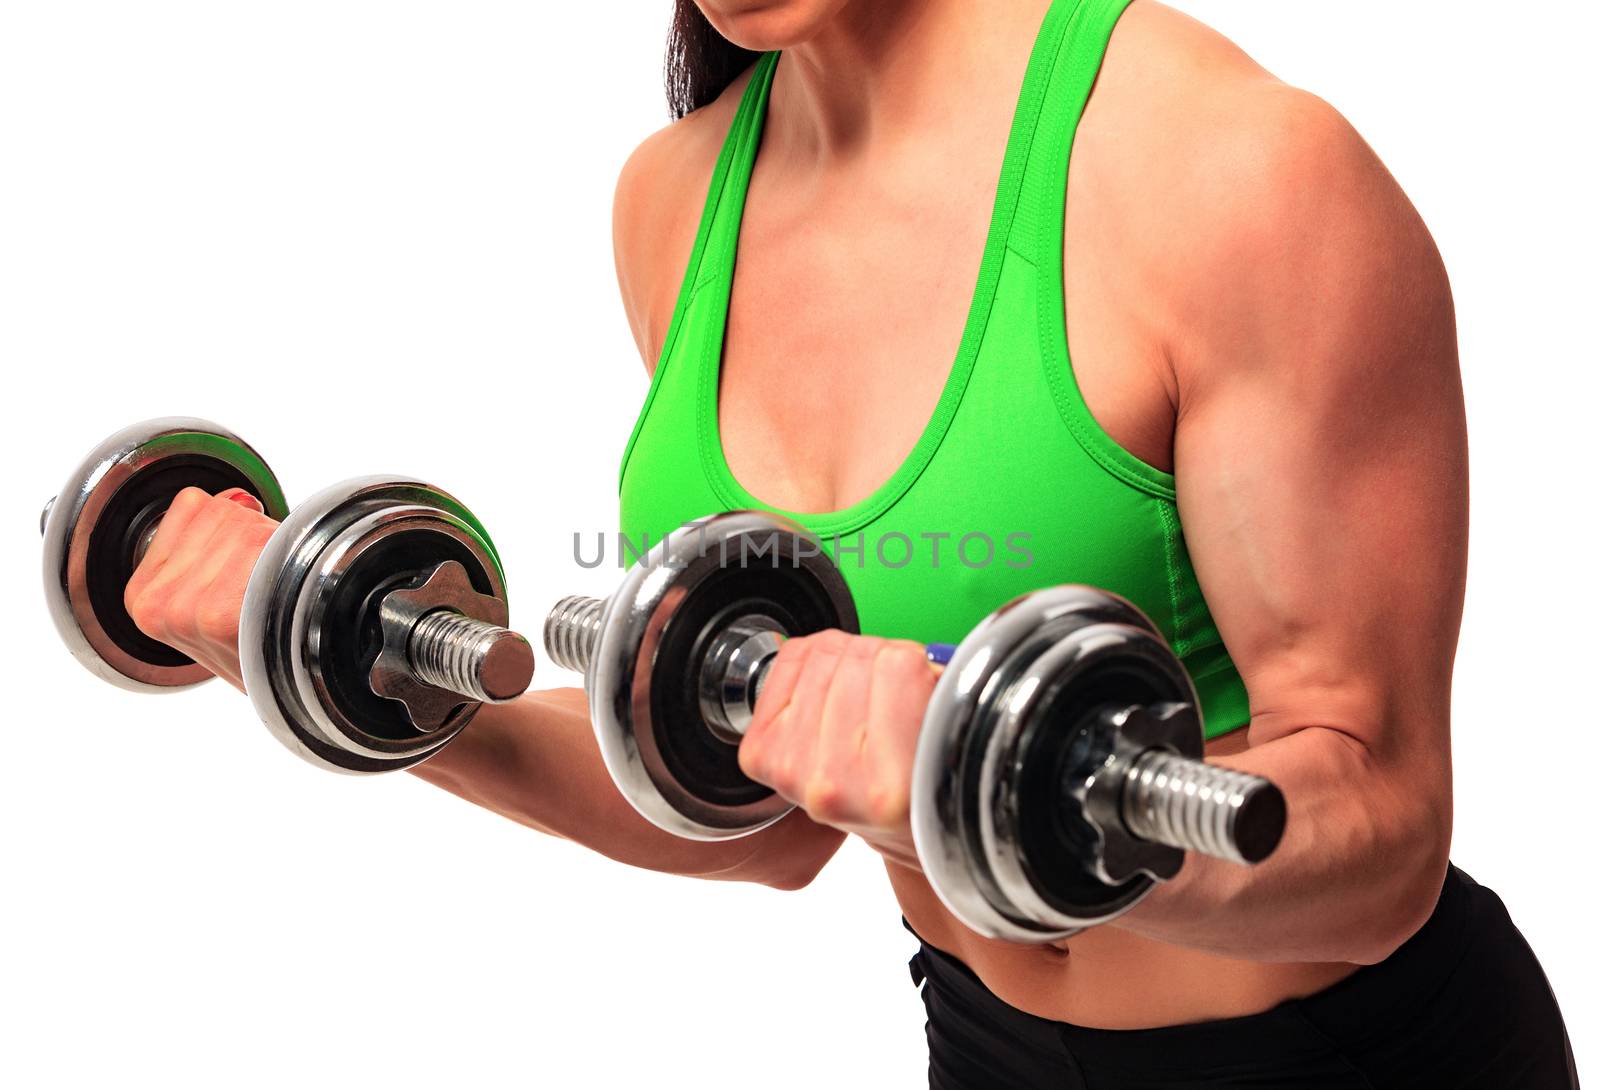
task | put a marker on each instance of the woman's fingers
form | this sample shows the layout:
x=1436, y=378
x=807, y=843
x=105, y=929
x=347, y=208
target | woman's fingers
x=183, y=509
x=834, y=793
x=217, y=611
x=782, y=677
x=153, y=596
x=173, y=533
x=164, y=603
x=188, y=590
x=782, y=735
x=835, y=733
x=902, y=683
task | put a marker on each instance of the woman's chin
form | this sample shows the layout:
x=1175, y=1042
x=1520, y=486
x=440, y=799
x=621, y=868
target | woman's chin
x=766, y=25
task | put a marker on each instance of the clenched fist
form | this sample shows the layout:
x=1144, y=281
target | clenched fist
x=835, y=731
x=189, y=589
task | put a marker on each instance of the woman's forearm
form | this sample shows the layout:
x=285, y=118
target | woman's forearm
x=1362, y=859
x=535, y=761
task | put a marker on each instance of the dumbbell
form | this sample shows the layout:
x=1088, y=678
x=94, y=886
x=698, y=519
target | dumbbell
x=373, y=624
x=1059, y=773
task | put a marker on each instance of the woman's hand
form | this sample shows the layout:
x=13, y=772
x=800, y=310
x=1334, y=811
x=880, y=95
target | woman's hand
x=835, y=731
x=189, y=589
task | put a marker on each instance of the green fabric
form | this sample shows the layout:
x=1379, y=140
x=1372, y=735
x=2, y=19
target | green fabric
x=1011, y=456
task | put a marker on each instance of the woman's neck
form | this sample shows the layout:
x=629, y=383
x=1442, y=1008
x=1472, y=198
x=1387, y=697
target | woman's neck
x=885, y=71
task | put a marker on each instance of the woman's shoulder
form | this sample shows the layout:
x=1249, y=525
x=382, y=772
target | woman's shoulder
x=656, y=213
x=1228, y=187
x=1182, y=114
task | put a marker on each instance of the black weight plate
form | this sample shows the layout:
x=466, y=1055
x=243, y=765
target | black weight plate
x=701, y=763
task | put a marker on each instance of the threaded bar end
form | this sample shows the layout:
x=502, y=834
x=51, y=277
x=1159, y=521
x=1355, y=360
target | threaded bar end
x=1205, y=808
x=572, y=630
x=474, y=658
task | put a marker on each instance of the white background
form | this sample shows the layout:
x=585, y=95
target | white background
x=375, y=236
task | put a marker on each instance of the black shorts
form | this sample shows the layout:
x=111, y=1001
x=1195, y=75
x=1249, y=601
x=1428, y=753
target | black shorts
x=1463, y=1003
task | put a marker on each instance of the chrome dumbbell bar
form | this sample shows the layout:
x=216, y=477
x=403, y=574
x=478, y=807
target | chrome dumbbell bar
x=1162, y=797
x=1059, y=771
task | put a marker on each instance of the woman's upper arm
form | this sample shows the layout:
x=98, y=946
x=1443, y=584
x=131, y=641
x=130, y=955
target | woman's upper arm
x=1320, y=449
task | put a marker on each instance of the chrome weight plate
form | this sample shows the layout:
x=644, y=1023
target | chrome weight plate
x=107, y=508
x=309, y=634
x=999, y=841
x=654, y=635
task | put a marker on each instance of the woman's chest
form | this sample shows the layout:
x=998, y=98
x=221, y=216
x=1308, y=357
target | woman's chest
x=844, y=328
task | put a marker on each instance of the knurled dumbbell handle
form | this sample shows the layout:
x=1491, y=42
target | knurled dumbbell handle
x=571, y=630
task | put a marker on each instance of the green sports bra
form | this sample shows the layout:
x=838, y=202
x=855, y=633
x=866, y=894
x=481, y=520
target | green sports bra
x=1012, y=486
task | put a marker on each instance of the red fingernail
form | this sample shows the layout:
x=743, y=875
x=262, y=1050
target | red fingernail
x=244, y=499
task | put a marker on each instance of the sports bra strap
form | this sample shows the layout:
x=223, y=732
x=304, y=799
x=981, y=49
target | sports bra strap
x=731, y=182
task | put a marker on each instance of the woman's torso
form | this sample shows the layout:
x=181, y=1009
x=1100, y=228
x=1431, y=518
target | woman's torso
x=819, y=379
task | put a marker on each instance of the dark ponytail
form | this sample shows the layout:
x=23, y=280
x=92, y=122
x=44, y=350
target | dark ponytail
x=700, y=62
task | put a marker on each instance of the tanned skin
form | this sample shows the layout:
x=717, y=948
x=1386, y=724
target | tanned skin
x=1252, y=304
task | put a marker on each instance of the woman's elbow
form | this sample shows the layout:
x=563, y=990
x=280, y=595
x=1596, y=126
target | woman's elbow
x=798, y=867
x=794, y=876
x=786, y=872
x=788, y=857
x=1413, y=867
